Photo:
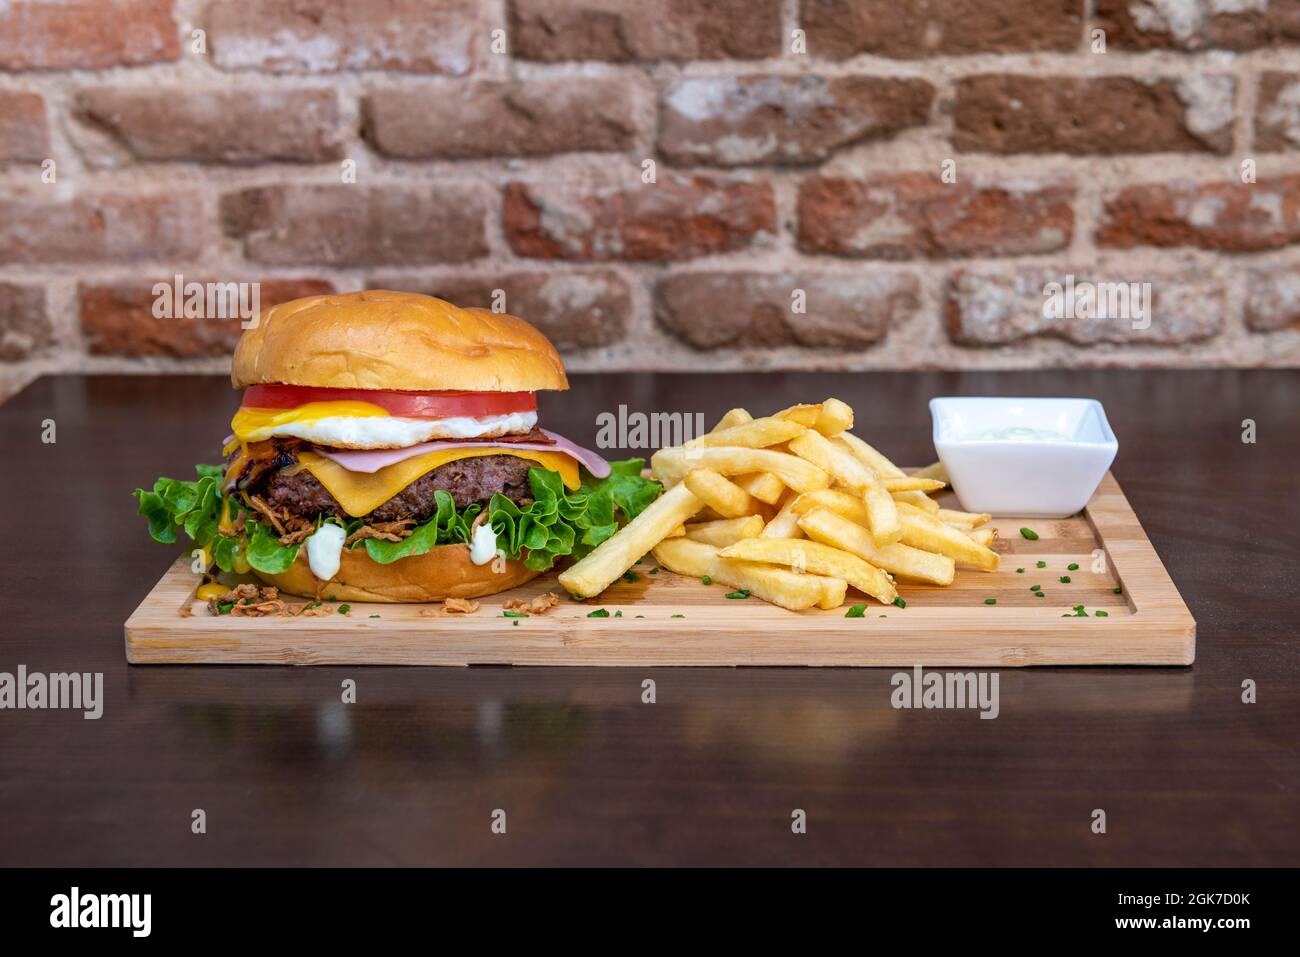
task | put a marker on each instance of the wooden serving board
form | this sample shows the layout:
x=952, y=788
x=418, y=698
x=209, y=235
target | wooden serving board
x=671, y=620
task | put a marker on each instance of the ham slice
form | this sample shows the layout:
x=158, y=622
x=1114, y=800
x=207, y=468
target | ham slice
x=372, y=460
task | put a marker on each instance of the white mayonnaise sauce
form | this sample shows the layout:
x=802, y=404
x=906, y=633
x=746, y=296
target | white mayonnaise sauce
x=1018, y=433
x=483, y=547
x=324, y=550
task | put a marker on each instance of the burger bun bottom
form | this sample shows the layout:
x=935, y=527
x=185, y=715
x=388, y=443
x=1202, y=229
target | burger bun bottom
x=442, y=572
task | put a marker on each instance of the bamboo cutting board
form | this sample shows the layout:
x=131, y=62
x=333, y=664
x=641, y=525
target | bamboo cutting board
x=670, y=620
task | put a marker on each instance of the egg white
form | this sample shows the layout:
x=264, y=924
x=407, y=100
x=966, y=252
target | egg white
x=395, y=432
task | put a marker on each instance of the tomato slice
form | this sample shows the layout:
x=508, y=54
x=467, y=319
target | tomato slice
x=415, y=405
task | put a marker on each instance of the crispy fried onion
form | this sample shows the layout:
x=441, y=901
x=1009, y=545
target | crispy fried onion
x=292, y=529
x=387, y=531
x=453, y=606
x=250, y=601
x=537, y=606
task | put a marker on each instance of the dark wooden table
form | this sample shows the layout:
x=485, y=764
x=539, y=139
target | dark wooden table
x=411, y=773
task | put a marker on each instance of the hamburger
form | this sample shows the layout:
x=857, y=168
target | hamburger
x=388, y=448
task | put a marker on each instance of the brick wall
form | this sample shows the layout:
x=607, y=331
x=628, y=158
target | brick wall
x=799, y=151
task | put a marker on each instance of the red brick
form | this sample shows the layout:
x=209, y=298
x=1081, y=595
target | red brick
x=679, y=217
x=325, y=36
x=109, y=227
x=86, y=34
x=622, y=31
x=1273, y=300
x=715, y=310
x=575, y=310
x=734, y=121
x=24, y=133
x=1277, y=114
x=905, y=29
x=992, y=309
x=25, y=326
x=1197, y=24
x=1227, y=216
x=493, y=118
x=915, y=214
x=118, y=319
x=216, y=126
x=353, y=224
x=1004, y=113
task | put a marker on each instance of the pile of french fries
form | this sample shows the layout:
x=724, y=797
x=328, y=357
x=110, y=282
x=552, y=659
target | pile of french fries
x=795, y=509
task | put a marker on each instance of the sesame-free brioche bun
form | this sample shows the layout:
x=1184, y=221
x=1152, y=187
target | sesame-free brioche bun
x=400, y=341
x=440, y=573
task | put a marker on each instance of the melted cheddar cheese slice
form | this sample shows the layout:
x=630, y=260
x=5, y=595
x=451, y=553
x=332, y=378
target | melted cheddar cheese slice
x=362, y=492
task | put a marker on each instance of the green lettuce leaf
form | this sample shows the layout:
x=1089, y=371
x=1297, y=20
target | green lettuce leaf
x=265, y=553
x=196, y=507
x=556, y=523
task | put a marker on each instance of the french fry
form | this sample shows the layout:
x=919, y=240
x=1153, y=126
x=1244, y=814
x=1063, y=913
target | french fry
x=837, y=500
x=733, y=417
x=823, y=525
x=922, y=531
x=881, y=465
x=779, y=586
x=882, y=517
x=868, y=456
x=677, y=532
x=616, y=554
x=910, y=483
x=834, y=459
x=982, y=536
x=835, y=417
x=934, y=470
x=820, y=559
x=916, y=500
x=671, y=465
x=954, y=517
x=726, y=531
x=805, y=414
x=785, y=524
x=754, y=434
x=764, y=486
x=720, y=494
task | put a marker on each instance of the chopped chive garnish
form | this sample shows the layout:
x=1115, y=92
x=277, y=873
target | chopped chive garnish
x=1039, y=594
x=1042, y=564
x=738, y=593
x=631, y=576
x=1035, y=587
x=1065, y=579
x=1118, y=590
x=344, y=609
x=225, y=606
x=990, y=601
x=598, y=613
x=706, y=580
x=515, y=623
x=655, y=570
x=618, y=614
x=1072, y=567
x=514, y=614
x=1101, y=614
x=1020, y=571
x=856, y=611
x=676, y=616
x=374, y=616
x=1029, y=533
x=899, y=602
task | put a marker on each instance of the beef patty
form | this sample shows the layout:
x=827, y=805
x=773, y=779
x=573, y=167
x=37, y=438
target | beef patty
x=466, y=480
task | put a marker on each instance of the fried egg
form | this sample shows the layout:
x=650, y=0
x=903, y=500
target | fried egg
x=366, y=429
